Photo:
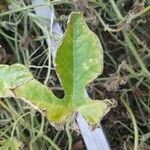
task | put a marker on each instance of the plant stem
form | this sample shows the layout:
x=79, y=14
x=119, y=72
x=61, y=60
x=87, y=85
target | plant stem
x=20, y=9
x=128, y=39
x=51, y=142
x=134, y=52
x=68, y=133
x=136, y=134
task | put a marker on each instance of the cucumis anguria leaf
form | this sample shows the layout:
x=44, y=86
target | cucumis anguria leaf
x=79, y=59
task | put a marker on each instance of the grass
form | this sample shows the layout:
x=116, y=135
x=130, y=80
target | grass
x=123, y=28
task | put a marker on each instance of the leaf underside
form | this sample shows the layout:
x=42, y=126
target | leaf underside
x=79, y=60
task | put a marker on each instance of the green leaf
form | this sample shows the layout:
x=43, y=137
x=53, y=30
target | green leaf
x=79, y=58
x=12, y=77
x=11, y=144
x=78, y=61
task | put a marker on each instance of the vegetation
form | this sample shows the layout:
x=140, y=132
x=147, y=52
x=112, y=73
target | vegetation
x=123, y=28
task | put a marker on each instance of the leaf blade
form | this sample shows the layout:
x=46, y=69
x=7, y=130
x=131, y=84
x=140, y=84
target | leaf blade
x=80, y=55
x=42, y=98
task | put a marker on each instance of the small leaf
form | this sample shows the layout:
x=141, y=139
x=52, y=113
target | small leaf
x=79, y=60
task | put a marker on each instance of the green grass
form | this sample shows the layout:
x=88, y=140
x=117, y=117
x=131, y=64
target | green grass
x=123, y=29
